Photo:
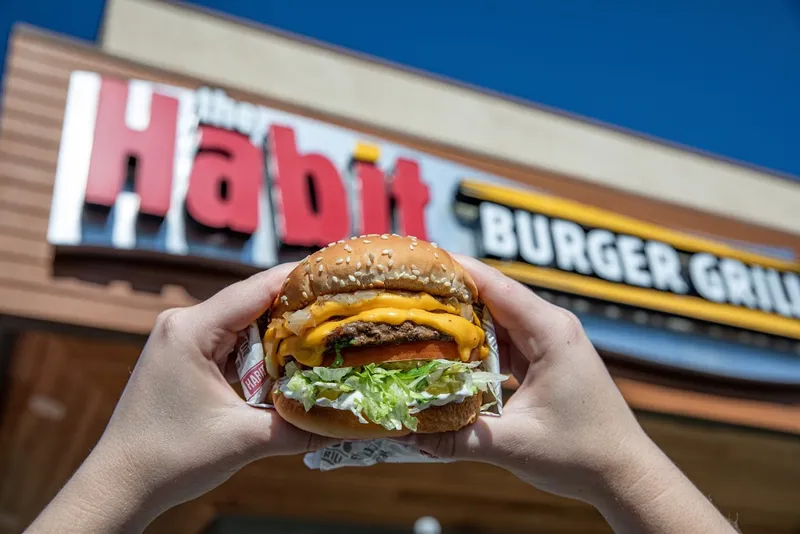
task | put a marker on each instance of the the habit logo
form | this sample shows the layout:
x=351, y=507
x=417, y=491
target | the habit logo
x=238, y=169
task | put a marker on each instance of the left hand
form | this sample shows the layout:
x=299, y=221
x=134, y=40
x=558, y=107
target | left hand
x=180, y=429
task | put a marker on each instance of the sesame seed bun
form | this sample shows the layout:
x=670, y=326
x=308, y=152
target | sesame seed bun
x=375, y=261
x=341, y=424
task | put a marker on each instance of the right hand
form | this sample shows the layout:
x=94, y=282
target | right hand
x=567, y=429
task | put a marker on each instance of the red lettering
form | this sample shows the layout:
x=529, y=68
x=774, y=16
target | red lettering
x=225, y=157
x=374, y=199
x=304, y=223
x=411, y=195
x=114, y=142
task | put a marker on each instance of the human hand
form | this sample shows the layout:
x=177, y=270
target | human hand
x=567, y=424
x=568, y=430
x=180, y=429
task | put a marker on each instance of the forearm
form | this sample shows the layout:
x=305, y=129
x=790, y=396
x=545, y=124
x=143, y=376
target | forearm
x=651, y=495
x=103, y=496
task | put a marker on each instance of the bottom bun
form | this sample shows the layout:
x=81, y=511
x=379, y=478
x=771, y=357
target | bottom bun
x=343, y=424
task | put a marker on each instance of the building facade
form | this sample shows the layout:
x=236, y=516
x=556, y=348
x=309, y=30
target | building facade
x=186, y=150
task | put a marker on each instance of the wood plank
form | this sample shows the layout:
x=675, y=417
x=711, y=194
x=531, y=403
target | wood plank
x=38, y=278
x=33, y=250
x=29, y=115
x=61, y=308
x=784, y=418
x=29, y=89
x=34, y=109
x=42, y=155
x=21, y=222
x=45, y=134
x=33, y=195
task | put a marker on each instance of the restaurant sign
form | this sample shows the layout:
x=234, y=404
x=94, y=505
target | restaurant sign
x=196, y=174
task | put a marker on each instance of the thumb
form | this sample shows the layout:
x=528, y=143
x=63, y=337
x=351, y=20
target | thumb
x=265, y=433
x=479, y=441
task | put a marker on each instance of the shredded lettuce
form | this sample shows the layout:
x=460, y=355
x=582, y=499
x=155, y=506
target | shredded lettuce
x=388, y=394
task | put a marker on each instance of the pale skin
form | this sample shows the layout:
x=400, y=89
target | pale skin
x=180, y=430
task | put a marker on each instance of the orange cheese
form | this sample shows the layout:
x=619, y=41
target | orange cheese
x=309, y=347
x=385, y=307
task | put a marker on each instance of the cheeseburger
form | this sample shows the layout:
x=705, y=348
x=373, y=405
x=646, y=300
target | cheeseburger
x=377, y=336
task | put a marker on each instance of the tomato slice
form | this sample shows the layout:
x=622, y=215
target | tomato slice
x=418, y=350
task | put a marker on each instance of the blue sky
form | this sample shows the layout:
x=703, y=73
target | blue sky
x=722, y=76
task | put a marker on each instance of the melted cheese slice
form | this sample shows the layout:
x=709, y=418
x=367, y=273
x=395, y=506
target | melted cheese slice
x=385, y=307
x=308, y=348
x=322, y=310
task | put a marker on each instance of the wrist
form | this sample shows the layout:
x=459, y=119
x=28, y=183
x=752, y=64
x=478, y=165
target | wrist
x=646, y=492
x=106, y=494
x=634, y=472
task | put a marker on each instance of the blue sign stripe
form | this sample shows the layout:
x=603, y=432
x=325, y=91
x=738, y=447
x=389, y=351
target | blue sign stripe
x=693, y=353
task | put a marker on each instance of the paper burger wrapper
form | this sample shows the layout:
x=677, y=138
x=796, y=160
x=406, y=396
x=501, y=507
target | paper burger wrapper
x=256, y=384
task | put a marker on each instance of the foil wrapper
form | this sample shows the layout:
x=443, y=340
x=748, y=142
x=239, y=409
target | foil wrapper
x=256, y=384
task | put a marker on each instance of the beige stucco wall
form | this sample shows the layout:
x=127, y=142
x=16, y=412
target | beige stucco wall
x=237, y=55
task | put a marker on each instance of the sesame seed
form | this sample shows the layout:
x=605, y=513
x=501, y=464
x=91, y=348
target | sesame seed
x=436, y=255
x=308, y=268
x=340, y=241
x=411, y=247
x=384, y=236
x=391, y=262
x=305, y=295
x=415, y=272
x=367, y=241
x=452, y=276
x=444, y=268
x=342, y=283
x=384, y=252
x=335, y=279
x=319, y=259
x=413, y=267
x=413, y=277
x=434, y=245
x=351, y=277
x=339, y=261
x=390, y=253
x=320, y=268
x=284, y=299
x=381, y=268
x=347, y=260
x=331, y=244
x=348, y=248
x=371, y=256
x=358, y=265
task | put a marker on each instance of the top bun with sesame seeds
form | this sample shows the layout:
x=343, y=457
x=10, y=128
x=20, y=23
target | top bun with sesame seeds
x=376, y=336
x=375, y=261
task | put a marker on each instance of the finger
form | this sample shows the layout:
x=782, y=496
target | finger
x=270, y=435
x=476, y=442
x=513, y=305
x=238, y=305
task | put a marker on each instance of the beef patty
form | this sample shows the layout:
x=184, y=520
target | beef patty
x=363, y=334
